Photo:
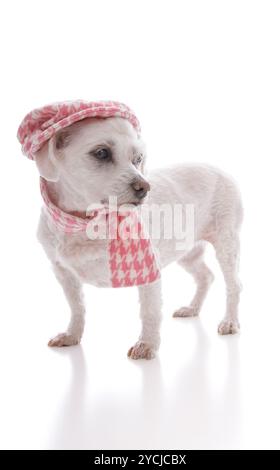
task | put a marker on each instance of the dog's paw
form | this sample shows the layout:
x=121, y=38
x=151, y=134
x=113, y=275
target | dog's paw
x=63, y=339
x=141, y=351
x=186, y=312
x=228, y=327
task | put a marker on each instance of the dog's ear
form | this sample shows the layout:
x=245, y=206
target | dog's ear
x=45, y=163
x=61, y=140
x=47, y=157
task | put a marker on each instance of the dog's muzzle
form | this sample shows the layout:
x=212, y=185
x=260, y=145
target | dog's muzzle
x=140, y=188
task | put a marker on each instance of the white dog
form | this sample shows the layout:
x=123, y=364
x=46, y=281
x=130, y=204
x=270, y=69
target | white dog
x=94, y=159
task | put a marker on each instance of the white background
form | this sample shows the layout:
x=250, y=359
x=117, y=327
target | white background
x=204, y=79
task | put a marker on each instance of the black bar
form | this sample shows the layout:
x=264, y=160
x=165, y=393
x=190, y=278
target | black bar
x=134, y=458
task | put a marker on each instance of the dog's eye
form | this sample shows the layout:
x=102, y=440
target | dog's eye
x=138, y=160
x=101, y=154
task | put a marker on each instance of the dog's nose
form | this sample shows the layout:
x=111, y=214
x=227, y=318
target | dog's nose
x=140, y=188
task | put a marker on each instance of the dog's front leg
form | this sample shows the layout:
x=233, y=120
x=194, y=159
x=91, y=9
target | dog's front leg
x=150, y=313
x=74, y=294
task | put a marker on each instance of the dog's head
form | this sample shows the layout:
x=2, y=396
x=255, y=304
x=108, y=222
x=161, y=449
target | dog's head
x=94, y=159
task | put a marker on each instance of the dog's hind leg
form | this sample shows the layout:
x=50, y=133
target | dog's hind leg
x=150, y=313
x=193, y=263
x=73, y=292
x=227, y=252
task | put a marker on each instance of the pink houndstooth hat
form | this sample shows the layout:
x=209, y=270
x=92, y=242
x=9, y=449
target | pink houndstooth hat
x=41, y=124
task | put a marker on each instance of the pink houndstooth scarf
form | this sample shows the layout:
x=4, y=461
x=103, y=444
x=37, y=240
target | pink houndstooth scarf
x=131, y=259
